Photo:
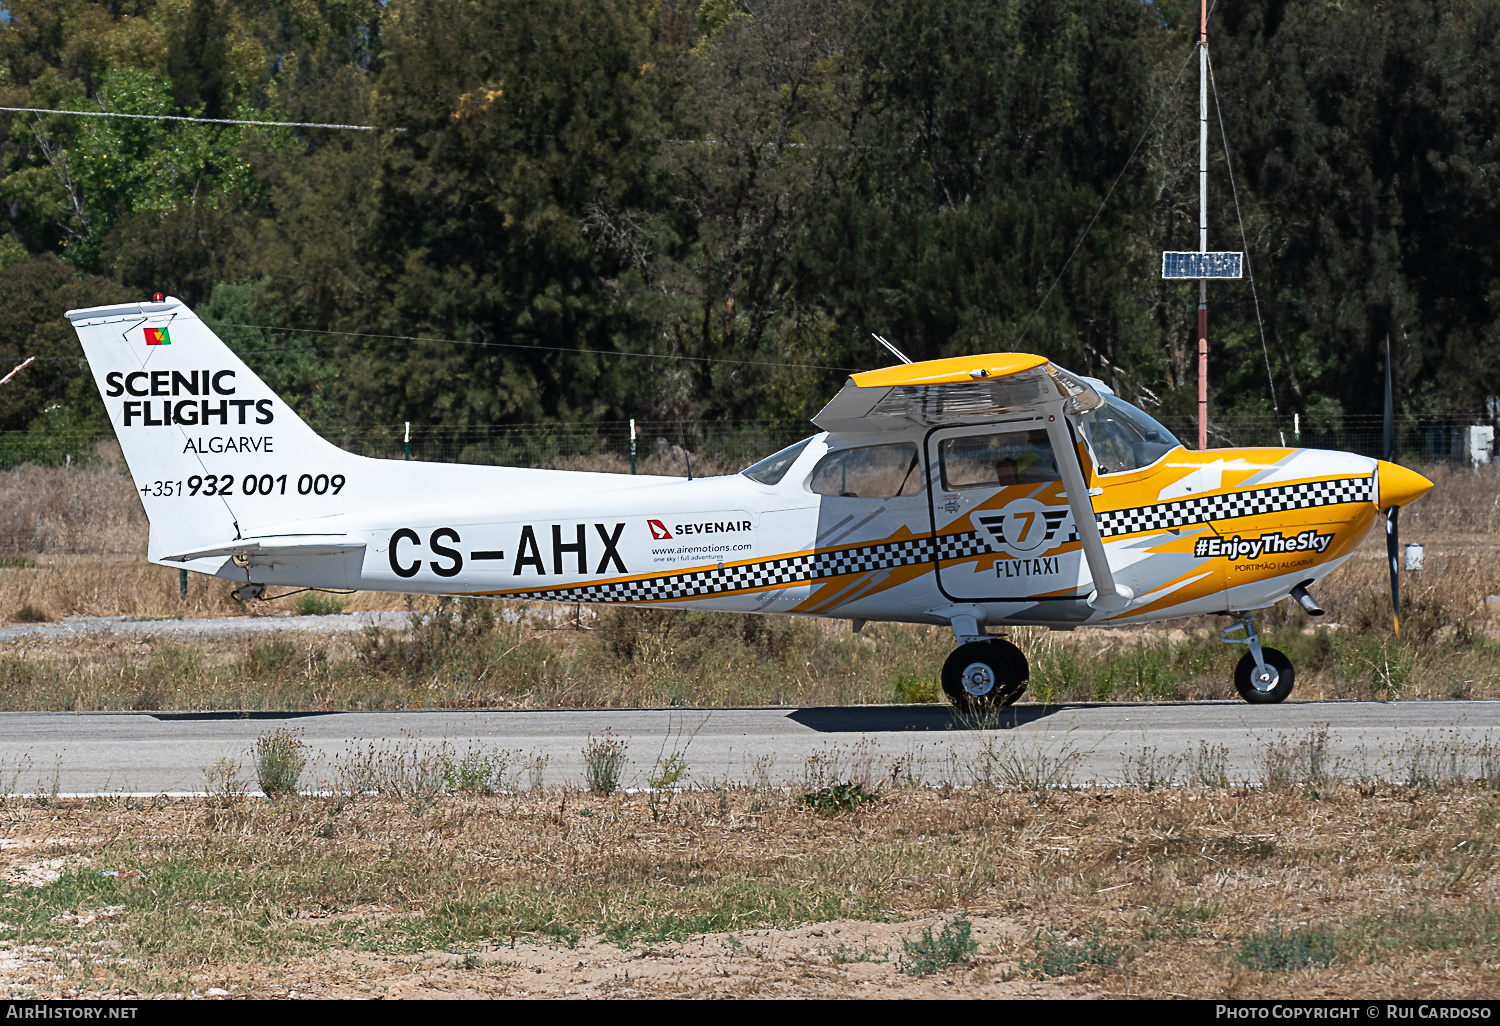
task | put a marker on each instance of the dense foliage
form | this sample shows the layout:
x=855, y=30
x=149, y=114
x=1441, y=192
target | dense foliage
x=685, y=210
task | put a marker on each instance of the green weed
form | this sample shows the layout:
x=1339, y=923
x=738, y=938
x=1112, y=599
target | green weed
x=478, y=771
x=1373, y=665
x=411, y=769
x=312, y=603
x=914, y=689
x=733, y=904
x=603, y=761
x=929, y=954
x=838, y=798
x=1277, y=951
x=280, y=757
x=1056, y=957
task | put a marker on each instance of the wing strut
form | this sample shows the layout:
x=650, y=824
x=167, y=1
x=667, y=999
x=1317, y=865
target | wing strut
x=1108, y=596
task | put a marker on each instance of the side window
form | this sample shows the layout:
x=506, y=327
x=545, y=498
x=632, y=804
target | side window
x=996, y=460
x=869, y=472
x=773, y=468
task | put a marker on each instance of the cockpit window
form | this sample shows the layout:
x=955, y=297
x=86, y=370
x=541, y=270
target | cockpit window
x=1124, y=437
x=869, y=472
x=773, y=468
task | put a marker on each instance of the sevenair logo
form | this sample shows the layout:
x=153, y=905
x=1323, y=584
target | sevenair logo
x=158, y=337
x=1266, y=544
x=659, y=530
x=712, y=527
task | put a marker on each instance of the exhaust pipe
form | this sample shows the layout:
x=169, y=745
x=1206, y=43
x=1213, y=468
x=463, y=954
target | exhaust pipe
x=1306, y=601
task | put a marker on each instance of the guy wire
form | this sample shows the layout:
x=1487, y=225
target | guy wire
x=1245, y=241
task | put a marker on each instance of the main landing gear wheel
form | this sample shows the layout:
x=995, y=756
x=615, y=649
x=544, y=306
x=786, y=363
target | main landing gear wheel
x=983, y=676
x=1018, y=659
x=1266, y=688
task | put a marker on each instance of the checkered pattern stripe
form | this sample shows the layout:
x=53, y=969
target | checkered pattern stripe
x=767, y=574
x=1237, y=504
x=961, y=545
x=792, y=570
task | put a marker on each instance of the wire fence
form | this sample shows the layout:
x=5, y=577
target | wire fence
x=1431, y=439
x=668, y=447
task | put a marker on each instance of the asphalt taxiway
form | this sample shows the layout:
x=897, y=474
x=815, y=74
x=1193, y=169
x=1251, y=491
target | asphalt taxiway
x=166, y=752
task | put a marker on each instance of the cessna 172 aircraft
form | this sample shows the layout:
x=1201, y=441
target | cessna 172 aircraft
x=973, y=492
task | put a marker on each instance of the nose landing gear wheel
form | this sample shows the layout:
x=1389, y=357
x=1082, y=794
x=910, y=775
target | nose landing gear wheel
x=1264, y=689
x=983, y=676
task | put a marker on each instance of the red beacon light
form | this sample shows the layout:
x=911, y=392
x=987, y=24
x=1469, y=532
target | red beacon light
x=156, y=297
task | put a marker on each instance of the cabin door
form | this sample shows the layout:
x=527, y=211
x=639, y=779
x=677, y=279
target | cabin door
x=1000, y=519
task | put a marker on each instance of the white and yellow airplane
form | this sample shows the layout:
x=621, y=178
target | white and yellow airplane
x=980, y=491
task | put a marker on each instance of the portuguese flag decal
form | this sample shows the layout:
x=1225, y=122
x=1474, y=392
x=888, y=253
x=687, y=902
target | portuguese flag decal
x=158, y=337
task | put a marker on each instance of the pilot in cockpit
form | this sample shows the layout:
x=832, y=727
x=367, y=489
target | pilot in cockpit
x=1027, y=464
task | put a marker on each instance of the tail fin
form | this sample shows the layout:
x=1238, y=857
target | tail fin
x=214, y=453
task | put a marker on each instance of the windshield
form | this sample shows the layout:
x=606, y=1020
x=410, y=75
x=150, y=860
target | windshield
x=1124, y=437
x=773, y=468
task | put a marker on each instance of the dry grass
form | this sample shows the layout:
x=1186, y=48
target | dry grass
x=76, y=538
x=463, y=656
x=1189, y=892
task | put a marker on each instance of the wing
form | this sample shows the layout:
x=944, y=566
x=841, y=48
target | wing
x=959, y=390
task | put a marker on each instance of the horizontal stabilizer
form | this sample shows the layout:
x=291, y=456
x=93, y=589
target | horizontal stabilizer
x=271, y=547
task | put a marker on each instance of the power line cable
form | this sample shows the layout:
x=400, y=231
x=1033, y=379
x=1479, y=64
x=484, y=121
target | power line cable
x=519, y=345
x=1245, y=241
x=205, y=121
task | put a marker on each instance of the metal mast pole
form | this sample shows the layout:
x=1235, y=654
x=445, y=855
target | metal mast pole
x=1203, y=225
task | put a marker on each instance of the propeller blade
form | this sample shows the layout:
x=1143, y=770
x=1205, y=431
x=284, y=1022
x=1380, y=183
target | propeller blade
x=1393, y=551
x=1388, y=431
x=1393, y=514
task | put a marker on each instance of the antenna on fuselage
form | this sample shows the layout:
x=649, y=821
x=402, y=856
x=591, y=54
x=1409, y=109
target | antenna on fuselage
x=898, y=354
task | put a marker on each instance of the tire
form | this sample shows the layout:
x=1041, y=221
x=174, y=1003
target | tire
x=981, y=676
x=1244, y=678
x=1018, y=659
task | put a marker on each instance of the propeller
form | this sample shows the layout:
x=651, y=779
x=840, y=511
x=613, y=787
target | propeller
x=1392, y=513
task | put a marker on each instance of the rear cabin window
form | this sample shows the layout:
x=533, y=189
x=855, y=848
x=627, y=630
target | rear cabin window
x=996, y=460
x=869, y=472
x=773, y=468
